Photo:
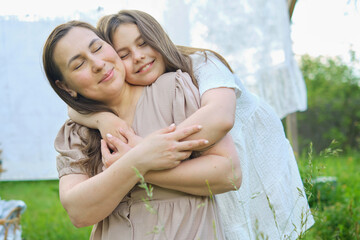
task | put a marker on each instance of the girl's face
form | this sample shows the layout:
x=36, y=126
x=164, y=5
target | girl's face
x=143, y=64
x=89, y=65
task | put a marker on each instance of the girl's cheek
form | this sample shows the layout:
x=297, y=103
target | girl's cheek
x=128, y=67
x=131, y=81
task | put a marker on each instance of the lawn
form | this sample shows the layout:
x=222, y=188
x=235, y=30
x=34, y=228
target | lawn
x=336, y=204
x=44, y=218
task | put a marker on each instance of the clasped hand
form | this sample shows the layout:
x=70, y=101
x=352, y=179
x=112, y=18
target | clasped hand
x=163, y=149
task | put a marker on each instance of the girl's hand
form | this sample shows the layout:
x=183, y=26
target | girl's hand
x=112, y=153
x=131, y=138
x=110, y=123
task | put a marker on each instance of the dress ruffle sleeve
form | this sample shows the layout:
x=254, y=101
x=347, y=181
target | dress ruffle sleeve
x=68, y=144
x=186, y=99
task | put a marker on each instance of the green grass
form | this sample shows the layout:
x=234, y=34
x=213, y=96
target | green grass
x=336, y=206
x=44, y=218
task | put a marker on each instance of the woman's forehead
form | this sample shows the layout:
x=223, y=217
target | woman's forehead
x=79, y=35
x=78, y=39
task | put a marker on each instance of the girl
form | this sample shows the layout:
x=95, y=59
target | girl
x=89, y=76
x=271, y=201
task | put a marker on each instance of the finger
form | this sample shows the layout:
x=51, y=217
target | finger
x=184, y=155
x=105, y=165
x=168, y=129
x=132, y=130
x=115, y=141
x=104, y=149
x=111, y=146
x=125, y=134
x=191, y=144
x=185, y=132
x=176, y=163
x=121, y=136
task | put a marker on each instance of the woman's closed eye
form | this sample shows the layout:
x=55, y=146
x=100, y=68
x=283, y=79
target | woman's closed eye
x=97, y=48
x=77, y=66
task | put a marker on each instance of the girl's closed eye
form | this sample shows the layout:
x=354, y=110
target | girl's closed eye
x=123, y=55
x=143, y=43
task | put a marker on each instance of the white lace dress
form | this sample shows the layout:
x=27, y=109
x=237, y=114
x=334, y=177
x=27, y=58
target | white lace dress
x=271, y=201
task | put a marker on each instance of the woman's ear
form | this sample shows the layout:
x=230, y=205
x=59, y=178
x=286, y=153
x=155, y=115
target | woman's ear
x=64, y=86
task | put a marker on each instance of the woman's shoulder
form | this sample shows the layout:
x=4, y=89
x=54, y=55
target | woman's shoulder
x=70, y=139
x=174, y=86
x=69, y=144
x=171, y=80
x=71, y=132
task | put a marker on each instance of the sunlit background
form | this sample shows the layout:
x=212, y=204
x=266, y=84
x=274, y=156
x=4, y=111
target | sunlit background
x=319, y=27
x=256, y=37
x=261, y=44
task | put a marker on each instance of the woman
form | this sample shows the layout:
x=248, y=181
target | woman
x=88, y=75
x=268, y=202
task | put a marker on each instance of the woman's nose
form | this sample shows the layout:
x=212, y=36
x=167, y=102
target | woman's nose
x=98, y=64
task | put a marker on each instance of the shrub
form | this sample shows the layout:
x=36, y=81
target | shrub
x=333, y=104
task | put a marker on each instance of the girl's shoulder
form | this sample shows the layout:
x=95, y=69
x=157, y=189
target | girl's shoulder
x=202, y=59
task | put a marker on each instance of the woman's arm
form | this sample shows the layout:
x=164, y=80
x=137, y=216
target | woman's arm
x=89, y=200
x=216, y=171
x=219, y=167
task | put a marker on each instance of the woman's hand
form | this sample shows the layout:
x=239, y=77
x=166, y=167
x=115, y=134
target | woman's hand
x=160, y=150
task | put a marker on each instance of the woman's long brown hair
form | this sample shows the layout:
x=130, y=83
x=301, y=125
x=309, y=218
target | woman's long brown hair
x=91, y=138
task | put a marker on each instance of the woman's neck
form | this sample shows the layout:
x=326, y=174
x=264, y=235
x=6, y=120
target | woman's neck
x=125, y=105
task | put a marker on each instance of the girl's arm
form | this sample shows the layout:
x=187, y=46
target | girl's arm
x=216, y=115
x=105, y=122
x=216, y=171
x=218, y=167
x=89, y=200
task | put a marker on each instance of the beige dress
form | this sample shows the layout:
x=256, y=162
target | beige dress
x=171, y=99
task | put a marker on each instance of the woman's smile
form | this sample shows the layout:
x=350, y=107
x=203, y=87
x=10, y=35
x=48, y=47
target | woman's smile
x=108, y=76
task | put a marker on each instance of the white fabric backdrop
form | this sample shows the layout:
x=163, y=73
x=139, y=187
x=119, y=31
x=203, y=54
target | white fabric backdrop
x=252, y=34
x=31, y=112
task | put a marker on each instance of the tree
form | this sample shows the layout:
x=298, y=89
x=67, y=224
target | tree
x=333, y=104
